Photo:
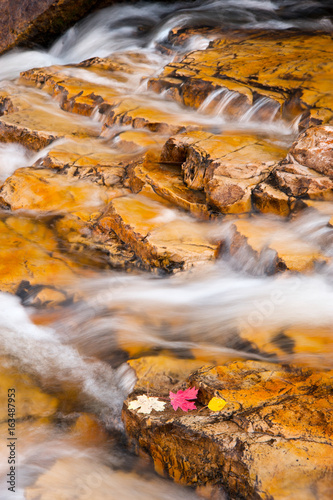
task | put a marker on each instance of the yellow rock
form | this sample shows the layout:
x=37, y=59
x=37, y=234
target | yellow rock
x=275, y=417
x=160, y=237
x=226, y=167
x=271, y=243
x=299, y=79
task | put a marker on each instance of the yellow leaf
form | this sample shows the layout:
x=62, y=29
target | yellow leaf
x=216, y=404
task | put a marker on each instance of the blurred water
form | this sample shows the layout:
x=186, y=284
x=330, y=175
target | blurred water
x=215, y=314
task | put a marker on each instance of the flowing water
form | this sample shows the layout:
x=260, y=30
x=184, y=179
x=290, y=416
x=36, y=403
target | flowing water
x=75, y=354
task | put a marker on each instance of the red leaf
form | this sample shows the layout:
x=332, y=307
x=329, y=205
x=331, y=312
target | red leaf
x=180, y=400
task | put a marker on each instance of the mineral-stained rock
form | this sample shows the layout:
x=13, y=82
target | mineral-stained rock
x=226, y=167
x=160, y=237
x=88, y=245
x=314, y=149
x=31, y=121
x=31, y=263
x=167, y=181
x=268, y=421
x=45, y=190
x=268, y=246
x=268, y=199
x=90, y=160
x=240, y=62
x=74, y=203
x=78, y=95
x=305, y=174
x=298, y=343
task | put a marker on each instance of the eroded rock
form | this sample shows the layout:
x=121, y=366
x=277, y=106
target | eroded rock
x=268, y=246
x=240, y=62
x=268, y=419
x=226, y=167
x=160, y=237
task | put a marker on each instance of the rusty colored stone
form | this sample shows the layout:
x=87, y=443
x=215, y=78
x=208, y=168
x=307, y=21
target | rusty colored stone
x=226, y=167
x=167, y=181
x=241, y=61
x=271, y=247
x=275, y=417
x=314, y=149
x=161, y=238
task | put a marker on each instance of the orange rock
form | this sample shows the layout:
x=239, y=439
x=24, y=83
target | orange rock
x=160, y=237
x=241, y=61
x=226, y=167
x=268, y=419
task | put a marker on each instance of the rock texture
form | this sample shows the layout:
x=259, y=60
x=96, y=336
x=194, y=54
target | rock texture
x=226, y=167
x=276, y=418
x=305, y=174
x=239, y=65
x=39, y=22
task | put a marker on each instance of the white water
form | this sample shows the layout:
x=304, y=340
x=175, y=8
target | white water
x=207, y=312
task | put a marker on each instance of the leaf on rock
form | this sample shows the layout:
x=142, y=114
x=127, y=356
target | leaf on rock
x=146, y=404
x=216, y=404
x=180, y=400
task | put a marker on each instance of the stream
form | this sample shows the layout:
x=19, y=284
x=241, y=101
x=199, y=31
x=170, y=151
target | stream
x=68, y=364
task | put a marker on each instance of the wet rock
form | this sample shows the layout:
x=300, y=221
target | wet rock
x=32, y=122
x=160, y=237
x=268, y=199
x=239, y=63
x=167, y=181
x=226, y=167
x=297, y=344
x=314, y=149
x=268, y=246
x=32, y=264
x=74, y=203
x=77, y=95
x=305, y=174
x=87, y=244
x=90, y=160
x=30, y=401
x=267, y=422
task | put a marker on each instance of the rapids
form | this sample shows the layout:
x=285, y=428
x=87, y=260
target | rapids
x=77, y=352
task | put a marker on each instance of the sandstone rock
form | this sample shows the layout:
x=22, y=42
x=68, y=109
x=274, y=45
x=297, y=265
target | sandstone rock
x=160, y=237
x=75, y=202
x=300, y=344
x=89, y=160
x=267, y=246
x=88, y=245
x=268, y=199
x=32, y=122
x=226, y=167
x=167, y=181
x=314, y=149
x=268, y=419
x=31, y=262
x=241, y=62
x=305, y=174
x=77, y=95
x=42, y=189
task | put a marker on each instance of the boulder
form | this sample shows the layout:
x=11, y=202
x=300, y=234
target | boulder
x=39, y=22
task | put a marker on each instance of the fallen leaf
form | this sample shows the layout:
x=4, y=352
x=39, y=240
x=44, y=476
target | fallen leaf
x=146, y=404
x=180, y=400
x=216, y=404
